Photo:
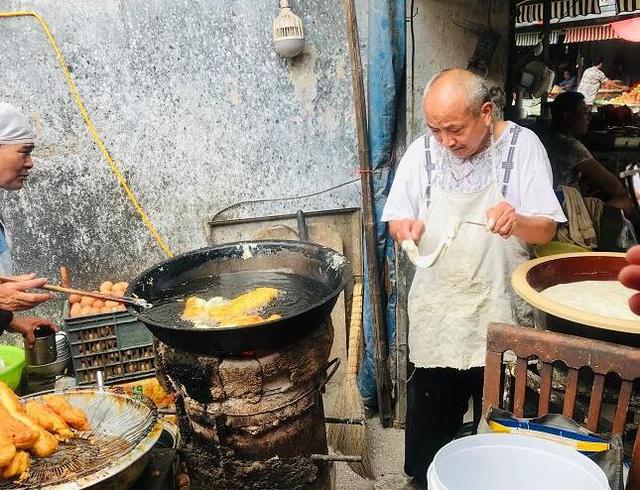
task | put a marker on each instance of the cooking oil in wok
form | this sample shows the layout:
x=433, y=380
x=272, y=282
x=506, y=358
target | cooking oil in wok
x=296, y=293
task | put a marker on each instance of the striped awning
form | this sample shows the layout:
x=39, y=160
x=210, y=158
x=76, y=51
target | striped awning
x=627, y=5
x=533, y=38
x=532, y=12
x=590, y=33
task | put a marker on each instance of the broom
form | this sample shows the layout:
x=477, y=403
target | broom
x=351, y=439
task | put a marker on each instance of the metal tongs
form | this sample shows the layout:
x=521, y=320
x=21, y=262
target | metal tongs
x=139, y=302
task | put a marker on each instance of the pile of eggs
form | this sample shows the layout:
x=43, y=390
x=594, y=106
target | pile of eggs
x=84, y=305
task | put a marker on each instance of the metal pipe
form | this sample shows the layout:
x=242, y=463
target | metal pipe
x=336, y=457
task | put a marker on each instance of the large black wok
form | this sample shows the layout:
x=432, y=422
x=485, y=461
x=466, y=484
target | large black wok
x=171, y=278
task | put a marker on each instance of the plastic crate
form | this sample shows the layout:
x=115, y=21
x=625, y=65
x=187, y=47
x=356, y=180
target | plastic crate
x=116, y=343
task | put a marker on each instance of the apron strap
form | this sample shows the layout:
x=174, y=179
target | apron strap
x=508, y=164
x=429, y=167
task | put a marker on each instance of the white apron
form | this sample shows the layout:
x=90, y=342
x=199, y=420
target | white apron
x=452, y=303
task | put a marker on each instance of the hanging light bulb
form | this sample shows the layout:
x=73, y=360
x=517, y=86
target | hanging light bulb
x=288, y=32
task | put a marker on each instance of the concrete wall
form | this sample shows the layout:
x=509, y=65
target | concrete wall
x=445, y=37
x=196, y=108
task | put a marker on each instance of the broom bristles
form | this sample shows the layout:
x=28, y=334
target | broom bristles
x=347, y=438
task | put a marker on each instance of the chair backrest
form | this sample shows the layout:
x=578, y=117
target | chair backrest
x=576, y=353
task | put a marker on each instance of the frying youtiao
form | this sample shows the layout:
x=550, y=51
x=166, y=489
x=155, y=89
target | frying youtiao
x=48, y=419
x=73, y=416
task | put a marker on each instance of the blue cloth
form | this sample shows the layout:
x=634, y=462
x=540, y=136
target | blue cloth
x=385, y=83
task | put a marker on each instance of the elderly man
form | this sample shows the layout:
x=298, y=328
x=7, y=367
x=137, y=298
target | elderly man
x=16, y=144
x=469, y=167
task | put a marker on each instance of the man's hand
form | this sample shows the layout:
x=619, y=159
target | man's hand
x=630, y=277
x=14, y=295
x=25, y=325
x=534, y=230
x=406, y=229
x=502, y=219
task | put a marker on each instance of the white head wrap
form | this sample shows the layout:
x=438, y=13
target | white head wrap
x=15, y=128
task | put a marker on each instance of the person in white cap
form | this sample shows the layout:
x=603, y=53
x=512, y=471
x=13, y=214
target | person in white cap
x=16, y=143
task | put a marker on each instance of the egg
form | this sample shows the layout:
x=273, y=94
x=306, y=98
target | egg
x=111, y=303
x=106, y=309
x=75, y=298
x=105, y=287
x=86, y=310
x=122, y=285
x=86, y=301
x=98, y=304
x=75, y=310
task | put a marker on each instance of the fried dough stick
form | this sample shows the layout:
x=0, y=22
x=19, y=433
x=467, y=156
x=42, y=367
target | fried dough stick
x=46, y=444
x=48, y=419
x=18, y=466
x=9, y=399
x=23, y=437
x=73, y=416
x=7, y=449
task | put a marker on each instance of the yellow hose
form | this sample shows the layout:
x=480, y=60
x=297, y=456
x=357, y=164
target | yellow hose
x=96, y=137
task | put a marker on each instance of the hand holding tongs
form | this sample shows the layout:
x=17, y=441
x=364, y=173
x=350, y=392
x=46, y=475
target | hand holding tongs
x=59, y=289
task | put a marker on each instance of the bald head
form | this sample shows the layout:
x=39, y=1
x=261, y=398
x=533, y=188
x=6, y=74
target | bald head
x=458, y=111
x=459, y=87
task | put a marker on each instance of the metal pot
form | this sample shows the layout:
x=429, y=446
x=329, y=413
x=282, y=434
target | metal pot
x=44, y=350
x=171, y=279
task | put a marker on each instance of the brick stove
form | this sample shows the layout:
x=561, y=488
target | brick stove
x=252, y=421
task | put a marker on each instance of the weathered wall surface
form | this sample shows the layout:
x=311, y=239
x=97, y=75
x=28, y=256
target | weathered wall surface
x=193, y=104
x=446, y=37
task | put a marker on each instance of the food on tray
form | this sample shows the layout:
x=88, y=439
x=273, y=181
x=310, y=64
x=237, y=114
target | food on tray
x=46, y=444
x=84, y=305
x=9, y=399
x=151, y=388
x=18, y=466
x=48, y=419
x=629, y=98
x=605, y=298
x=221, y=312
x=23, y=437
x=73, y=416
x=7, y=449
x=34, y=428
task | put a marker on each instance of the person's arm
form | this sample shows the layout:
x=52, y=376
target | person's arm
x=14, y=296
x=534, y=230
x=630, y=277
x=402, y=206
x=596, y=174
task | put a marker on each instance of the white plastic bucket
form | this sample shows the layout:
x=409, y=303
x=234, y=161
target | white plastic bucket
x=506, y=461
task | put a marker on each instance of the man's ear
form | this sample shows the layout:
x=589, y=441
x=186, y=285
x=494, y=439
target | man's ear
x=487, y=111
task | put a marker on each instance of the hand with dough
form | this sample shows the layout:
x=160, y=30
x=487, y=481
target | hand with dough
x=630, y=277
x=503, y=220
x=406, y=229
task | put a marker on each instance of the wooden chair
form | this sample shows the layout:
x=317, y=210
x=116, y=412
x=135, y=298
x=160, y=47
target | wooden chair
x=576, y=353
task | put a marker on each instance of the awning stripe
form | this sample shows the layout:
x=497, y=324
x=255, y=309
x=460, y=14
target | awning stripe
x=533, y=38
x=561, y=9
x=627, y=5
x=590, y=33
